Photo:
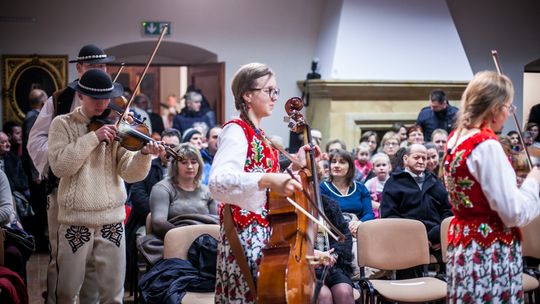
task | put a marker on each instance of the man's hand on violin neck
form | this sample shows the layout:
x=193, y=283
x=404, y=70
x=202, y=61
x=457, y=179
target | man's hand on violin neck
x=153, y=148
x=107, y=133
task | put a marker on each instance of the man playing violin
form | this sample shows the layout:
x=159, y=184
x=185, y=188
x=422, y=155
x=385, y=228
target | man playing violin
x=92, y=168
x=62, y=101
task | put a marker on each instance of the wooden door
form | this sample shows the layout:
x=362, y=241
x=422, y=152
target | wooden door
x=210, y=79
x=149, y=86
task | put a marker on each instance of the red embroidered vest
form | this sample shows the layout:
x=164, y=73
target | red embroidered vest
x=259, y=158
x=474, y=218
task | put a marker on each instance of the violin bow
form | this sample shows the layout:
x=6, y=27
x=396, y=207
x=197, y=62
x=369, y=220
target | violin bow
x=495, y=56
x=122, y=66
x=163, y=32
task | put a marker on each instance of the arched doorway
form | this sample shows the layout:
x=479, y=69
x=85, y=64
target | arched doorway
x=175, y=66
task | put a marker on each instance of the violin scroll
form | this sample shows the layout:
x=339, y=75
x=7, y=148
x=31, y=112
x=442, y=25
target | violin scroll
x=295, y=118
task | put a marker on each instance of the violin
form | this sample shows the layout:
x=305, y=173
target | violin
x=286, y=272
x=132, y=136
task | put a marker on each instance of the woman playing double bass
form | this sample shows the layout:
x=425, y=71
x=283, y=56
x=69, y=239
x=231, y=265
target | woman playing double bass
x=244, y=167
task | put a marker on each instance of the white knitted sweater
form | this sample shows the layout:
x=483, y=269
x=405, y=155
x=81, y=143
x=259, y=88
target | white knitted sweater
x=92, y=173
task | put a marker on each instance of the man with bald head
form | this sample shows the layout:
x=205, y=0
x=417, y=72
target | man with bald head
x=415, y=193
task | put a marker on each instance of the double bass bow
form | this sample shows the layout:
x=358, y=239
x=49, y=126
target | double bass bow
x=286, y=272
x=495, y=56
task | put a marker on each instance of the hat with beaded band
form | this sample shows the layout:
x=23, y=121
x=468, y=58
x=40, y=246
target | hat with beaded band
x=92, y=54
x=98, y=84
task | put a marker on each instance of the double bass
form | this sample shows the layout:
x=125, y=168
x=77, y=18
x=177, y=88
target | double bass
x=286, y=272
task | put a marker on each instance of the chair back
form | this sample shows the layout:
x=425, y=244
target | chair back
x=444, y=237
x=178, y=240
x=531, y=239
x=392, y=244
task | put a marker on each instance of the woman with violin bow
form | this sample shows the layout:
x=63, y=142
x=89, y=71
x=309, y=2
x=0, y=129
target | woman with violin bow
x=244, y=174
x=92, y=168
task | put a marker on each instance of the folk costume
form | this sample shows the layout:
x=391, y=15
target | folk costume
x=61, y=102
x=242, y=159
x=484, y=251
x=91, y=197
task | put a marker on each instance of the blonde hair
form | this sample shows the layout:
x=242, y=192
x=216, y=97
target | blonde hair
x=186, y=151
x=388, y=136
x=380, y=157
x=363, y=146
x=486, y=92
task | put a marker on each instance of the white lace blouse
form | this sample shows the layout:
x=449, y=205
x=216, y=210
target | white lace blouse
x=228, y=182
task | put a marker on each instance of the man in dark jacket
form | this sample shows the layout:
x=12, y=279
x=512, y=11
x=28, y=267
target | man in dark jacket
x=439, y=115
x=415, y=193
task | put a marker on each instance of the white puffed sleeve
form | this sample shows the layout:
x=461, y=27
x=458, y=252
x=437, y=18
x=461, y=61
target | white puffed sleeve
x=490, y=166
x=228, y=181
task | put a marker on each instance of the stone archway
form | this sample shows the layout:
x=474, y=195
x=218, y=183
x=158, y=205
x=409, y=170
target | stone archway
x=170, y=53
x=203, y=69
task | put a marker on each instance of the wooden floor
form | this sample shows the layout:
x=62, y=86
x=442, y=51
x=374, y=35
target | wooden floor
x=37, y=278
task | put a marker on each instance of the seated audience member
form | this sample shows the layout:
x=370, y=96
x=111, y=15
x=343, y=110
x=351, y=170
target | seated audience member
x=193, y=137
x=14, y=131
x=352, y=196
x=335, y=144
x=397, y=160
x=371, y=139
x=533, y=129
x=181, y=192
x=337, y=287
x=324, y=168
x=432, y=160
x=209, y=152
x=139, y=193
x=513, y=137
x=192, y=116
x=375, y=185
x=362, y=162
x=13, y=258
x=390, y=143
x=400, y=130
x=12, y=166
x=415, y=135
x=415, y=193
x=440, y=137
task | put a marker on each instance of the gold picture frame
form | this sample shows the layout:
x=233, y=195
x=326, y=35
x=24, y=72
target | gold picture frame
x=22, y=73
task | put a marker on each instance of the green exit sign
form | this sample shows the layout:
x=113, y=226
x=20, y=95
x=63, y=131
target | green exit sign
x=154, y=28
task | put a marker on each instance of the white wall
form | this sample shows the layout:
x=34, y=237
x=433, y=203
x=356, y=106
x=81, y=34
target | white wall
x=280, y=33
x=396, y=39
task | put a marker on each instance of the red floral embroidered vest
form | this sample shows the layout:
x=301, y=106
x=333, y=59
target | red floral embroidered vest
x=474, y=219
x=259, y=158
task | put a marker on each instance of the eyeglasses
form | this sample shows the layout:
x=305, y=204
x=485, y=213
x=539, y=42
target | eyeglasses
x=511, y=108
x=273, y=93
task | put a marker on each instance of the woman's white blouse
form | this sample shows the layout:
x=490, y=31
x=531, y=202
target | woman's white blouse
x=489, y=165
x=228, y=182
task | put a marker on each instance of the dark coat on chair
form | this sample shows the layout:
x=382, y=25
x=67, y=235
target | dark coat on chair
x=139, y=196
x=402, y=198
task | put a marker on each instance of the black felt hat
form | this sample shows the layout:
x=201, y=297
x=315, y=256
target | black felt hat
x=92, y=54
x=97, y=84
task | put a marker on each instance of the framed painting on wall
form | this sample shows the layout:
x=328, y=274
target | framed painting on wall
x=23, y=73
